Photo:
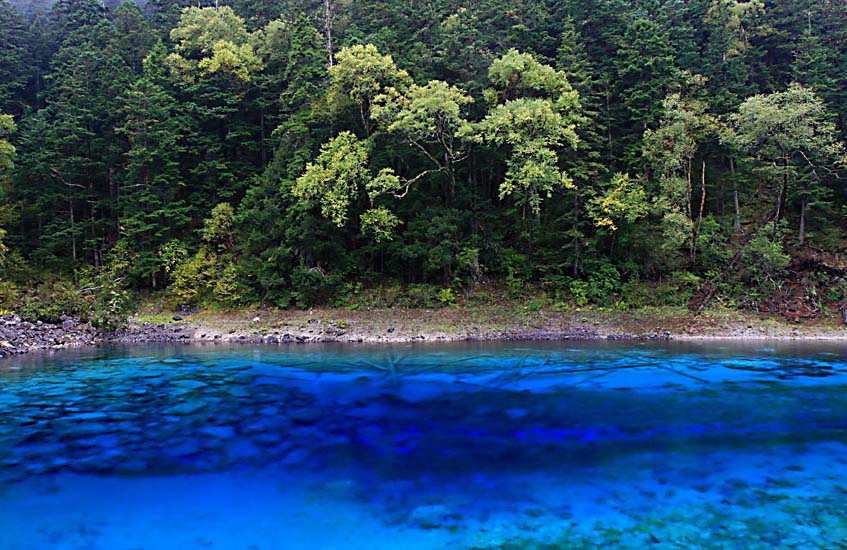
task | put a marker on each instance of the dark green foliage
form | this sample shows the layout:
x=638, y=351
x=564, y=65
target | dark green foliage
x=50, y=301
x=566, y=146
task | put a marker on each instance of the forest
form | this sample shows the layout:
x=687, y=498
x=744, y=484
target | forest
x=297, y=153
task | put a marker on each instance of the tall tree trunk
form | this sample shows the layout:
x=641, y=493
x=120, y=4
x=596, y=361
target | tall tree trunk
x=803, y=205
x=780, y=197
x=736, y=225
x=73, y=236
x=576, y=242
x=699, y=214
x=689, y=193
x=328, y=15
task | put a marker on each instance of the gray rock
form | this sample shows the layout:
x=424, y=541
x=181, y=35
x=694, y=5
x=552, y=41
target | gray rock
x=430, y=516
x=186, y=408
x=135, y=466
x=267, y=439
x=186, y=448
x=103, y=441
x=87, y=416
x=297, y=457
x=243, y=450
x=218, y=432
x=305, y=415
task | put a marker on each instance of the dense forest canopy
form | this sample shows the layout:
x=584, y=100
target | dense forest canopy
x=292, y=152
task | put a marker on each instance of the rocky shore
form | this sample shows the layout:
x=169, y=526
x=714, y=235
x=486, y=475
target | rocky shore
x=511, y=323
x=329, y=332
x=19, y=336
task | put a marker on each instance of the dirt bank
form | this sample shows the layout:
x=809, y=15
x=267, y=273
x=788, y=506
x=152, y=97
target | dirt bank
x=500, y=322
x=514, y=322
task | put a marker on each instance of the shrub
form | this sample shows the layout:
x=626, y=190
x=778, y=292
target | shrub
x=557, y=285
x=110, y=308
x=678, y=289
x=226, y=289
x=604, y=282
x=765, y=260
x=49, y=301
x=635, y=294
x=446, y=297
x=468, y=269
x=313, y=286
x=421, y=296
x=192, y=278
x=579, y=293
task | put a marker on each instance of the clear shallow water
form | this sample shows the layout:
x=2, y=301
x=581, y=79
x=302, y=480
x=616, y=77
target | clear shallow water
x=594, y=445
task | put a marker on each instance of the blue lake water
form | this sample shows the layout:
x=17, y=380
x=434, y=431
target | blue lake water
x=495, y=446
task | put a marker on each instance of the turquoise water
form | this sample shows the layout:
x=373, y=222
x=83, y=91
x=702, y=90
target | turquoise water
x=564, y=445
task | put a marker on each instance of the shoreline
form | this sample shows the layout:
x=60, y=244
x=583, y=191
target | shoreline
x=397, y=326
x=334, y=325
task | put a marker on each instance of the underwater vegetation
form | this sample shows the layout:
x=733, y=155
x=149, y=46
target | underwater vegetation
x=482, y=447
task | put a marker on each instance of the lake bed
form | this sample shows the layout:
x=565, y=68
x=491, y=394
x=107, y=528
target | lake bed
x=553, y=445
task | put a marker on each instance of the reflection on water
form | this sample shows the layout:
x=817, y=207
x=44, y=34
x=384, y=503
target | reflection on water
x=487, y=446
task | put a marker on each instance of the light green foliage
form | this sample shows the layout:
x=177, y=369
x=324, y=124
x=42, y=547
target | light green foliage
x=7, y=158
x=219, y=229
x=210, y=275
x=333, y=179
x=714, y=242
x=516, y=74
x=685, y=128
x=533, y=128
x=360, y=75
x=427, y=118
x=48, y=301
x=385, y=183
x=672, y=146
x=211, y=40
x=469, y=271
x=446, y=297
x=625, y=200
x=226, y=289
x=778, y=126
x=734, y=18
x=236, y=60
x=422, y=113
x=675, y=230
x=192, y=277
x=791, y=136
x=379, y=222
x=105, y=290
x=579, y=292
x=173, y=253
x=7, y=150
x=528, y=123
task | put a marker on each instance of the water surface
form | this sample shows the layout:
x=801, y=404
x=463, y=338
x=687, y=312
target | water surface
x=564, y=445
